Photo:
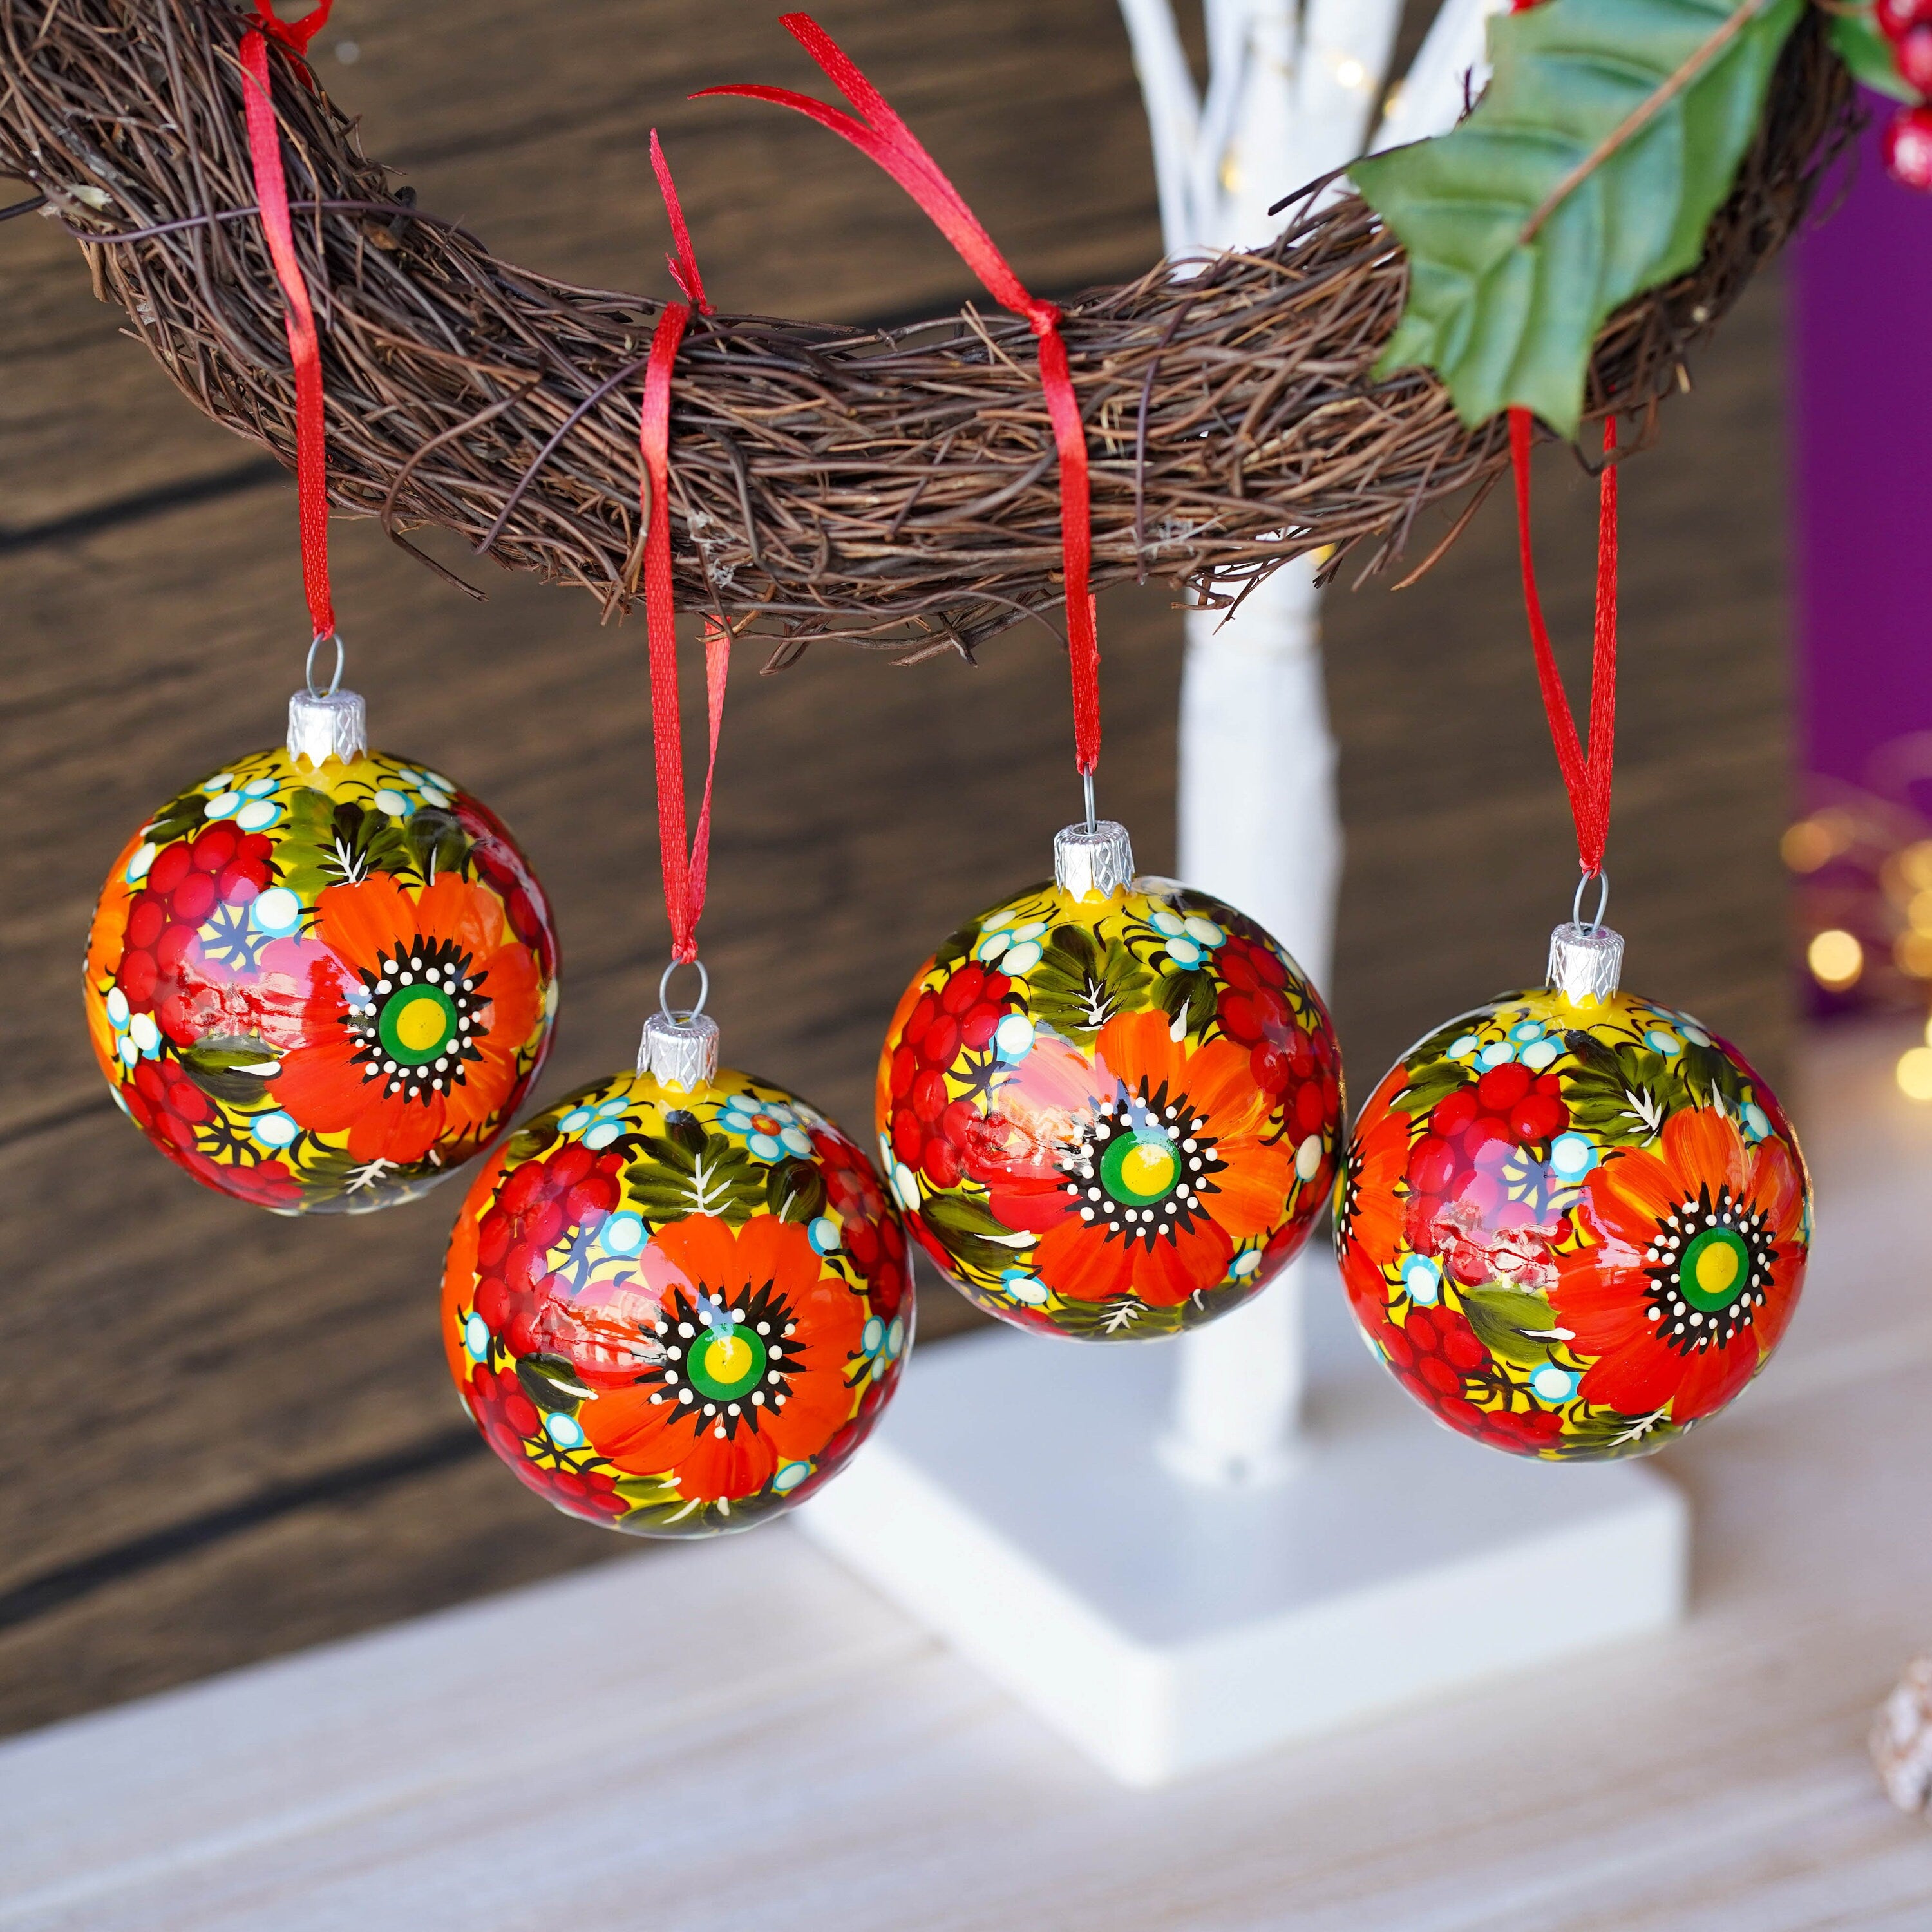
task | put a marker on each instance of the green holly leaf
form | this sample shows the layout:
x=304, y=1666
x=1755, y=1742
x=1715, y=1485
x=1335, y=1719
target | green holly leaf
x=657, y=1510
x=180, y=817
x=336, y=1182
x=308, y=830
x=539, y=1135
x=1509, y=322
x=1857, y=41
x=368, y=841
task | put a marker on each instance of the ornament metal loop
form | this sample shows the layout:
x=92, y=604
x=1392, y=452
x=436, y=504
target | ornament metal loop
x=315, y=643
x=664, y=985
x=1603, y=879
x=1086, y=789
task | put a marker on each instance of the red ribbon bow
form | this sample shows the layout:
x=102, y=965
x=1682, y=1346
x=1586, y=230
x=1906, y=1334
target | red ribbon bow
x=685, y=870
x=272, y=196
x=880, y=134
x=1587, y=780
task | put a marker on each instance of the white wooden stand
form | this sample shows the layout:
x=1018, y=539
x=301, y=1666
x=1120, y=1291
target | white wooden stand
x=1014, y=1500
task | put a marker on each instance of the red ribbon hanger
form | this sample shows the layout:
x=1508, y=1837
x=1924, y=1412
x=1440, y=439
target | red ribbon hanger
x=879, y=134
x=272, y=196
x=685, y=869
x=1586, y=778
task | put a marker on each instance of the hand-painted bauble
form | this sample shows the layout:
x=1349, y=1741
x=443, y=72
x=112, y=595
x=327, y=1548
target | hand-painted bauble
x=677, y=1303
x=322, y=978
x=1112, y=1106
x=1573, y=1223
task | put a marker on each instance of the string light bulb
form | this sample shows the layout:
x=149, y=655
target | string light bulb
x=1836, y=959
x=1915, y=1073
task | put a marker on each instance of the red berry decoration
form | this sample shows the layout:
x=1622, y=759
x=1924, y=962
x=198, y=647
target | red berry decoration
x=1907, y=147
x=1896, y=18
x=677, y=1303
x=1914, y=53
x=1110, y=1107
x=1571, y=1223
x=321, y=979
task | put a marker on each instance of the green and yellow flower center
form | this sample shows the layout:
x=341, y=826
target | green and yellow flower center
x=1137, y=1169
x=722, y=1361
x=1710, y=1263
x=1714, y=1268
x=417, y=1018
x=727, y=1363
x=417, y=1025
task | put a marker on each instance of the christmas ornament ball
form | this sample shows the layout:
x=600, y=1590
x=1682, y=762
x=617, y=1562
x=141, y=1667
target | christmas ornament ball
x=677, y=1302
x=322, y=977
x=1110, y=1107
x=1573, y=1228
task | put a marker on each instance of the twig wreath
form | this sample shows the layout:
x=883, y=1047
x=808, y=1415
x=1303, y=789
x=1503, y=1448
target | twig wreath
x=896, y=488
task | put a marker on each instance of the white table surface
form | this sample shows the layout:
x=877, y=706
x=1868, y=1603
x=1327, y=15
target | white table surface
x=738, y=1736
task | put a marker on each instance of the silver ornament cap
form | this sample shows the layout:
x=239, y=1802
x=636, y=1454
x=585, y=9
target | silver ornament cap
x=1093, y=861
x=680, y=1053
x=328, y=724
x=1586, y=963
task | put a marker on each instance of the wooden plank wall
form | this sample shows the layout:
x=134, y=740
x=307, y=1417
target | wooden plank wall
x=223, y=1434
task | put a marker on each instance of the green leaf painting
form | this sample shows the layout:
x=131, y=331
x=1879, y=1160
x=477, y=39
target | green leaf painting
x=972, y=1233
x=687, y=1171
x=1620, y=1095
x=1078, y=985
x=1433, y=1083
x=1610, y=132
x=795, y=1190
x=1511, y=1322
x=333, y=843
x=233, y=1067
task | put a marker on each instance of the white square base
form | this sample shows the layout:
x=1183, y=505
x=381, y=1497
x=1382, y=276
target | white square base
x=1011, y=1501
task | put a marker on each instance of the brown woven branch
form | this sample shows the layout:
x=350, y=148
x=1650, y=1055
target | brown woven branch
x=895, y=488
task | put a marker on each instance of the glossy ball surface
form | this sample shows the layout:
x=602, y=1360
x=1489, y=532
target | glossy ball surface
x=1572, y=1231
x=1110, y=1119
x=320, y=990
x=673, y=1313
